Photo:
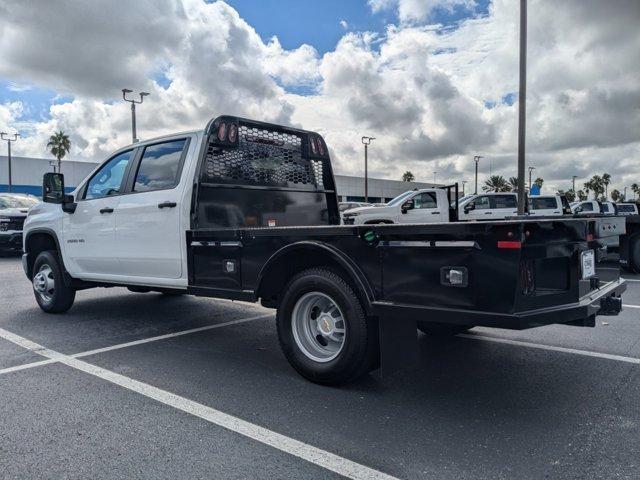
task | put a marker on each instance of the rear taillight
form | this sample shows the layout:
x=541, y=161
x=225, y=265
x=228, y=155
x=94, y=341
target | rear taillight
x=314, y=148
x=233, y=133
x=222, y=131
x=320, y=146
x=509, y=245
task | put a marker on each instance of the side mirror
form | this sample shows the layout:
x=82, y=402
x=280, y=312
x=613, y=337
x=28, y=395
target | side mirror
x=578, y=209
x=408, y=205
x=53, y=192
x=470, y=206
x=53, y=188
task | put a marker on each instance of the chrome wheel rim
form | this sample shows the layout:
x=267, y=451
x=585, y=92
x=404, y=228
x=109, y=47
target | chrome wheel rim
x=319, y=327
x=44, y=284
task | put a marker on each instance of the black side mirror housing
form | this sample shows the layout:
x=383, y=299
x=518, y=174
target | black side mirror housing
x=53, y=188
x=53, y=192
x=470, y=206
x=406, y=206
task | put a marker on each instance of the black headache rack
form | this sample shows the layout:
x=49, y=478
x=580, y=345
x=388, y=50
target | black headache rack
x=258, y=174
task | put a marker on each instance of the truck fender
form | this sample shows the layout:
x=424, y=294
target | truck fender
x=31, y=258
x=355, y=275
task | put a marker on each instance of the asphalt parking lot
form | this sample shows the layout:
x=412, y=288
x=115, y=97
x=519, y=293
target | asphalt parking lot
x=130, y=385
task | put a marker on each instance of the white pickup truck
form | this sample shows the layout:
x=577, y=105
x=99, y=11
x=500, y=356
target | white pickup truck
x=432, y=205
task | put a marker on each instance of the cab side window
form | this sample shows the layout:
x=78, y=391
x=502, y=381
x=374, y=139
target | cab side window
x=425, y=200
x=108, y=180
x=505, y=201
x=587, y=207
x=159, y=167
x=482, y=202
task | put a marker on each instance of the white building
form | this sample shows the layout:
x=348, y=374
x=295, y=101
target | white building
x=26, y=176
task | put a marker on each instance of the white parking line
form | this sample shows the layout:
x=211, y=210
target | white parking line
x=26, y=366
x=539, y=346
x=631, y=306
x=169, y=335
x=317, y=456
x=631, y=279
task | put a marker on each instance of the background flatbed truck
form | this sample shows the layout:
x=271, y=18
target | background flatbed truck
x=261, y=219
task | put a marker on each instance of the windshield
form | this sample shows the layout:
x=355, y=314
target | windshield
x=399, y=199
x=13, y=201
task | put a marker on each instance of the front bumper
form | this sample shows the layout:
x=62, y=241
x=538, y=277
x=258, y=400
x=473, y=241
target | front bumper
x=604, y=300
x=11, y=241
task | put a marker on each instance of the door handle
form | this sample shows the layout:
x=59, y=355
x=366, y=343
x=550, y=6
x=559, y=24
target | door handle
x=488, y=213
x=106, y=210
x=435, y=213
x=167, y=205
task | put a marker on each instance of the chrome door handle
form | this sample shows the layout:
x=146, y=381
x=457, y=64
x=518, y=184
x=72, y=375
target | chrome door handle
x=167, y=205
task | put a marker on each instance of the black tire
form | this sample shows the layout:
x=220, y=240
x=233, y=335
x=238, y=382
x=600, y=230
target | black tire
x=435, y=329
x=359, y=352
x=60, y=297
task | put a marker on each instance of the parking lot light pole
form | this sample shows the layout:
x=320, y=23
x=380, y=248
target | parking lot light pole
x=477, y=159
x=5, y=136
x=464, y=182
x=522, y=104
x=573, y=183
x=133, y=102
x=366, y=141
x=435, y=174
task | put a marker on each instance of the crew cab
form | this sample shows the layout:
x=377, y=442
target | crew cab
x=247, y=210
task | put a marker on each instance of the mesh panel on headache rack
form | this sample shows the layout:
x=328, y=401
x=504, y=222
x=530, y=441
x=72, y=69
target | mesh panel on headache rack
x=264, y=157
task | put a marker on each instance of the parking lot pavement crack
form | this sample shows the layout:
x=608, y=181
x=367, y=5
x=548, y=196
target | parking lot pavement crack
x=327, y=460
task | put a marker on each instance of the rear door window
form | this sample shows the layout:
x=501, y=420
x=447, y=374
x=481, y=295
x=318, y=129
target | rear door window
x=505, y=201
x=160, y=166
x=543, y=203
x=587, y=207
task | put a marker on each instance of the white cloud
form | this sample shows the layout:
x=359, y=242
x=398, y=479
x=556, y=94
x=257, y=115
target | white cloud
x=433, y=99
x=344, y=24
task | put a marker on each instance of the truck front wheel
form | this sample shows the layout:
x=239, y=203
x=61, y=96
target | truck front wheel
x=436, y=329
x=49, y=288
x=323, y=330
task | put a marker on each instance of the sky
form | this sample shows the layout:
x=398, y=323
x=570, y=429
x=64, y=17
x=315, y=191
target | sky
x=435, y=81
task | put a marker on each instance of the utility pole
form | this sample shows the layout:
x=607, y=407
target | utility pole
x=531, y=169
x=5, y=136
x=573, y=180
x=625, y=194
x=522, y=104
x=366, y=141
x=434, y=176
x=477, y=159
x=463, y=184
x=133, y=102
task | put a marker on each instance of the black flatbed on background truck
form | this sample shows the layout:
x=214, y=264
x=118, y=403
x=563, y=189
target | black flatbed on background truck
x=265, y=226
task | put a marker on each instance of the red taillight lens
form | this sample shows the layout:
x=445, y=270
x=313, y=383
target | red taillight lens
x=509, y=245
x=314, y=148
x=233, y=133
x=222, y=131
x=589, y=237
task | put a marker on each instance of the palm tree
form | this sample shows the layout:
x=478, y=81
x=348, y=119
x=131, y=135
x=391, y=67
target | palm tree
x=635, y=188
x=582, y=196
x=513, y=184
x=59, y=145
x=606, y=180
x=616, y=196
x=496, y=183
x=408, y=176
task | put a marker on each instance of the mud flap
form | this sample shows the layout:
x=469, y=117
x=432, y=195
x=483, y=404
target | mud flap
x=398, y=345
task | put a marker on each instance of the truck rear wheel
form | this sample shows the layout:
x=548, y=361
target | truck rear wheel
x=436, y=329
x=49, y=288
x=323, y=330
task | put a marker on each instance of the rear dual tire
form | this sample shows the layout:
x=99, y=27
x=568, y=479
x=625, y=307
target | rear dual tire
x=323, y=330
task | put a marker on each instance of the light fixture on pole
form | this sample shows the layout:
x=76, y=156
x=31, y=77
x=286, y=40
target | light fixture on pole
x=477, y=159
x=366, y=141
x=5, y=136
x=133, y=102
x=531, y=169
